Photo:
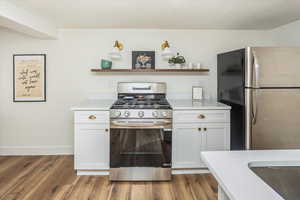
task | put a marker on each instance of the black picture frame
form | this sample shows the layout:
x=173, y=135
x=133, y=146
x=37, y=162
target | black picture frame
x=146, y=65
x=44, y=99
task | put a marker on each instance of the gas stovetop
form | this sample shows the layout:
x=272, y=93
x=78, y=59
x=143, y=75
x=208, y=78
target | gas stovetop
x=141, y=104
x=141, y=107
x=141, y=100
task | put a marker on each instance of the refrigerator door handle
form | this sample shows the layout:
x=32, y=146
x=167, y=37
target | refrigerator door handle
x=255, y=70
x=249, y=117
x=251, y=97
x=254, y=106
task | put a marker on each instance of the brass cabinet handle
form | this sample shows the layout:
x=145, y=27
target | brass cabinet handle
x=199, y=129
x=106, y=130
x=92, y=117
x=205, y=129
x=201, y=116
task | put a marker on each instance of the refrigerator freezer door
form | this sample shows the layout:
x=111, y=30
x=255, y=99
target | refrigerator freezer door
x=231, y=71
x=273, y=67
x=275, y=119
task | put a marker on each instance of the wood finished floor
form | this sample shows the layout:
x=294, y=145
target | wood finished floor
x=53, y=177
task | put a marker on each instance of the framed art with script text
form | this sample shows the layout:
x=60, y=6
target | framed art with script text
x=29, y=77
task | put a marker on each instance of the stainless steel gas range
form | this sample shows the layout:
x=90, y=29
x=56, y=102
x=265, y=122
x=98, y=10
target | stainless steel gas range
x=141, y=133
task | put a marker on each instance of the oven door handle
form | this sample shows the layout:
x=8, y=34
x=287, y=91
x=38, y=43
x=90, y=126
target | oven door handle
x=157, y=125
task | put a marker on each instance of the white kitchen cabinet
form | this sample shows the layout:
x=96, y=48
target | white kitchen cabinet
x=187, y=147
x=195, y=133
x=91, y=140
x=215, y=137
x=91, y=147
x=201, y=116
x=91, y=117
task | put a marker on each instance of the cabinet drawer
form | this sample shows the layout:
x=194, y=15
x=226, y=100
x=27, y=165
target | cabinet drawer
x=91, y=117
x=92, y=128
x=202, y=116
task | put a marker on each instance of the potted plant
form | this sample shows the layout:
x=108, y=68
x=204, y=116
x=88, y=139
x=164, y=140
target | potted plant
x=177, y=60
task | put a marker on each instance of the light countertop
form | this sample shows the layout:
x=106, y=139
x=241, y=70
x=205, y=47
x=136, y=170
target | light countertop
x=105, y=104
x=94, y=104
x=231, y=169
x=183, y=104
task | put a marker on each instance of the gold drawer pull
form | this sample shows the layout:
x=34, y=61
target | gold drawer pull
x=201, y=116
x=199, y=129
x=92, y=117
x=205, y=129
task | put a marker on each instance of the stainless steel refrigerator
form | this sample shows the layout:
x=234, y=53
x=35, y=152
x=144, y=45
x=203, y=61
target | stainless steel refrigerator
x=262, y=84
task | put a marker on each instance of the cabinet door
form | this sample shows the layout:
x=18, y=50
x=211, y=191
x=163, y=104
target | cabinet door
x=216, y=137
x=91, y=147
x=187, y=147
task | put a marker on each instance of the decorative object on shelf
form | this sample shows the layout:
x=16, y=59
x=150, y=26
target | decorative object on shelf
x=198, y=65
x=197, y=93
x=106, y=64
x=166, y=51
x=190, y=65
x=29, y=76
x=115, y=54
x=143, y=60
x=177, y=60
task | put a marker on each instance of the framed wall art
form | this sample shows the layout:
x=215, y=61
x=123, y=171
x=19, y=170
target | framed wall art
x=143, y=59
x=29, y=77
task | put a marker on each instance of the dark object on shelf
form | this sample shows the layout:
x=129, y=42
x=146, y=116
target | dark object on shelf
x=178, y=59
x=143, y=60
x=106, y=64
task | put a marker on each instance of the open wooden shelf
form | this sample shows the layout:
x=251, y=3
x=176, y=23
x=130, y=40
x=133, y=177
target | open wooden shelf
x=149, y=70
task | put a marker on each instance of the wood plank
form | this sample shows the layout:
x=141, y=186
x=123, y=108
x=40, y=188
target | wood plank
x=53, y=177
x=52, y=180
x=101, y=189
x=8, y=162
x=141, y=190
x=32, y=179
x=12, y=176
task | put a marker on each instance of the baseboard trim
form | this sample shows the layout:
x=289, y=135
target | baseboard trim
x=92, y=173
x=174, y=172
x=190, y=171
x=35, y=150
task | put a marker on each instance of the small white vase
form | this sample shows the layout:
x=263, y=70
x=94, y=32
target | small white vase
x=177, y=66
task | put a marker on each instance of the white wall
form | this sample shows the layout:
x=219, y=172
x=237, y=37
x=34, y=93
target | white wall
x=287, y=35
x=47, y=127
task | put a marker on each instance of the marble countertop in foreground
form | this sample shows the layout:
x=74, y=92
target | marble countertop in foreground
x=231, y=169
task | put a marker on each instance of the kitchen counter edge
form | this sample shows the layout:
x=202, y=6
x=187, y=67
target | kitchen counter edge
x=187, y=104
x=179, y=104
x=93, y=104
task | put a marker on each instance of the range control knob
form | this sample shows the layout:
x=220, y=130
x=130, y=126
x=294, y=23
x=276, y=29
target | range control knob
x=155, y=114
x=164, y=114
x=117, y=114
x=141, y=114
x=126, y=113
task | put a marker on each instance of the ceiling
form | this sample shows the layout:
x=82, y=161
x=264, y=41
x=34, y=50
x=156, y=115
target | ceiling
x=166, y=14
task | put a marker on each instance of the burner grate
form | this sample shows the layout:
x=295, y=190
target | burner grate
x=135, y=103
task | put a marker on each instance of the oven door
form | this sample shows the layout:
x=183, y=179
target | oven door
x=140, y=149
